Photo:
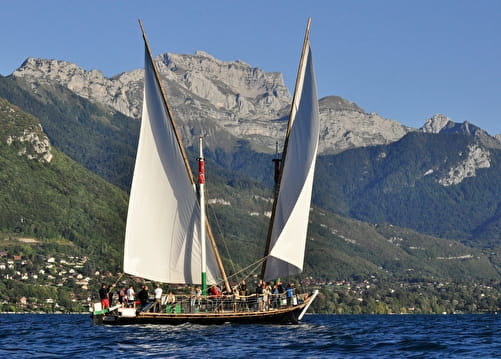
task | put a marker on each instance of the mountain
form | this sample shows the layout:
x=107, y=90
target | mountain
x=45, y=194
x=228, y=100
x=439, y=180
x=98, y=137
x=445, y=184
x=48, y=196
x=443, y=124
x=348, y=126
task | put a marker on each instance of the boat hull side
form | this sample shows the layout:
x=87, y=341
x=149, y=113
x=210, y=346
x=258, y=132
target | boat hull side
x=288, y=315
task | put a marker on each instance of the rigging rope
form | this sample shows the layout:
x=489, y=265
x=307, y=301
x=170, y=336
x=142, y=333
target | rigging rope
x=220, y=232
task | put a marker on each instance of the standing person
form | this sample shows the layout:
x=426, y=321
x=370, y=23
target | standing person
x=103, y=296
x=110, y=294
x=259, y=295
x=275, y=294
x=242, y=292
x=242, y=289
x=143, y=296
x=122, y=299
x=130, y=296
x=266, y=296
x=158, y=297
x=290, y=293
x=280, y=287
x=281, y=290
x=198, y=296
x=193, y=298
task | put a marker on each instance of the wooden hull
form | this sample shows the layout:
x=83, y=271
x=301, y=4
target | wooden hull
x=286, y=315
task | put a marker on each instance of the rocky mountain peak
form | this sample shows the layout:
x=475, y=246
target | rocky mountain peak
x=435, y=124
x=232, y=85
x=122, y=92
x=220, y=96
x=336, y=103
x=443, y=124
x=345, y=125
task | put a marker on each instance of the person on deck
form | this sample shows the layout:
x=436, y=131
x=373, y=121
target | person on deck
x=143, y=296
x=242, y=292
x=280, y=287
x=158, y=297
x=266, y=296
x=130, y=296
x=171, y=298
x=290, y=293
x=110, y=294
x=242, y=289
x=259, y=295
x=103, y=296
x=274, y=298
x=216, y=295
x=198, y=296
x=122, y=299
x=193, y=298
x=215, y=291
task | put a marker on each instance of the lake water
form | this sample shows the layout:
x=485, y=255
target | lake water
x=318, y=336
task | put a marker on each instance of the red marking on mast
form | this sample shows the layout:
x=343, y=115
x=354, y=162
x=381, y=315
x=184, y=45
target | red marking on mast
x=201, y=171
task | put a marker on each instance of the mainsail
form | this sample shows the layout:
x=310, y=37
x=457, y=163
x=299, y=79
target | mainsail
x=163, y=222
x=291, y=211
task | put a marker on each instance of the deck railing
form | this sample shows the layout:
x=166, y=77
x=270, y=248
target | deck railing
x=224, y=303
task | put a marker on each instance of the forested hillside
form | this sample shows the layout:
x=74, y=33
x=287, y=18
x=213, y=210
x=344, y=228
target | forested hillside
x=410, y=183
x=55, y=198
x=102, y=140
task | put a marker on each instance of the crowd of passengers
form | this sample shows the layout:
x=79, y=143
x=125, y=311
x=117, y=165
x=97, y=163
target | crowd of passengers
x=266, y=296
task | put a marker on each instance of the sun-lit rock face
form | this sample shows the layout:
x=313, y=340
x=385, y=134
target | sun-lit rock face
x=476, y=157
x=244, y=101
x=23, y=133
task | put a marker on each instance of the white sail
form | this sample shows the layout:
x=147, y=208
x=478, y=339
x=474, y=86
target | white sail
x=288, y=237
x=162, y=233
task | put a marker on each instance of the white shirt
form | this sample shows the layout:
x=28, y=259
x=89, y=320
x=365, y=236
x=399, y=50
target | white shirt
x=158, y=293
x=130, y=294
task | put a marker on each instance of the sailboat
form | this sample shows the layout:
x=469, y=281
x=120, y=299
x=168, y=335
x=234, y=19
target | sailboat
x=168, y=238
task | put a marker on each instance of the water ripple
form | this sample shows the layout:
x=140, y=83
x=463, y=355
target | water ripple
x=320, y=336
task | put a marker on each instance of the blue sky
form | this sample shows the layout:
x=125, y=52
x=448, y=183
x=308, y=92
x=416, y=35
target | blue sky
x=405, y=60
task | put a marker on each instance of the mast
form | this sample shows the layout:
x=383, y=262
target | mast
x=205, y=227
x=204, y=223
x=280, y=163
x=201, y=194
x=276, y=164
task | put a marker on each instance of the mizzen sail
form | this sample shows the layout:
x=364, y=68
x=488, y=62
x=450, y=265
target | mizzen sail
x=290, y=218
x=163, y=222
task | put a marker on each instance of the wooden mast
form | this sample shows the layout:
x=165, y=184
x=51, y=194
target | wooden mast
x=292, y=115
x=183, y=151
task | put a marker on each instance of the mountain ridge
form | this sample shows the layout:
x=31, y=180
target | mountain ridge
x=231, y=96
x=237, y=144
x=60, y=199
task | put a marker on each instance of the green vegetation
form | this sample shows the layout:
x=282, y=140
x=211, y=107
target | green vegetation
x=398, y=184
x=59, y=200
x=102, y=140
x=71, y=212
x=374, y=297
